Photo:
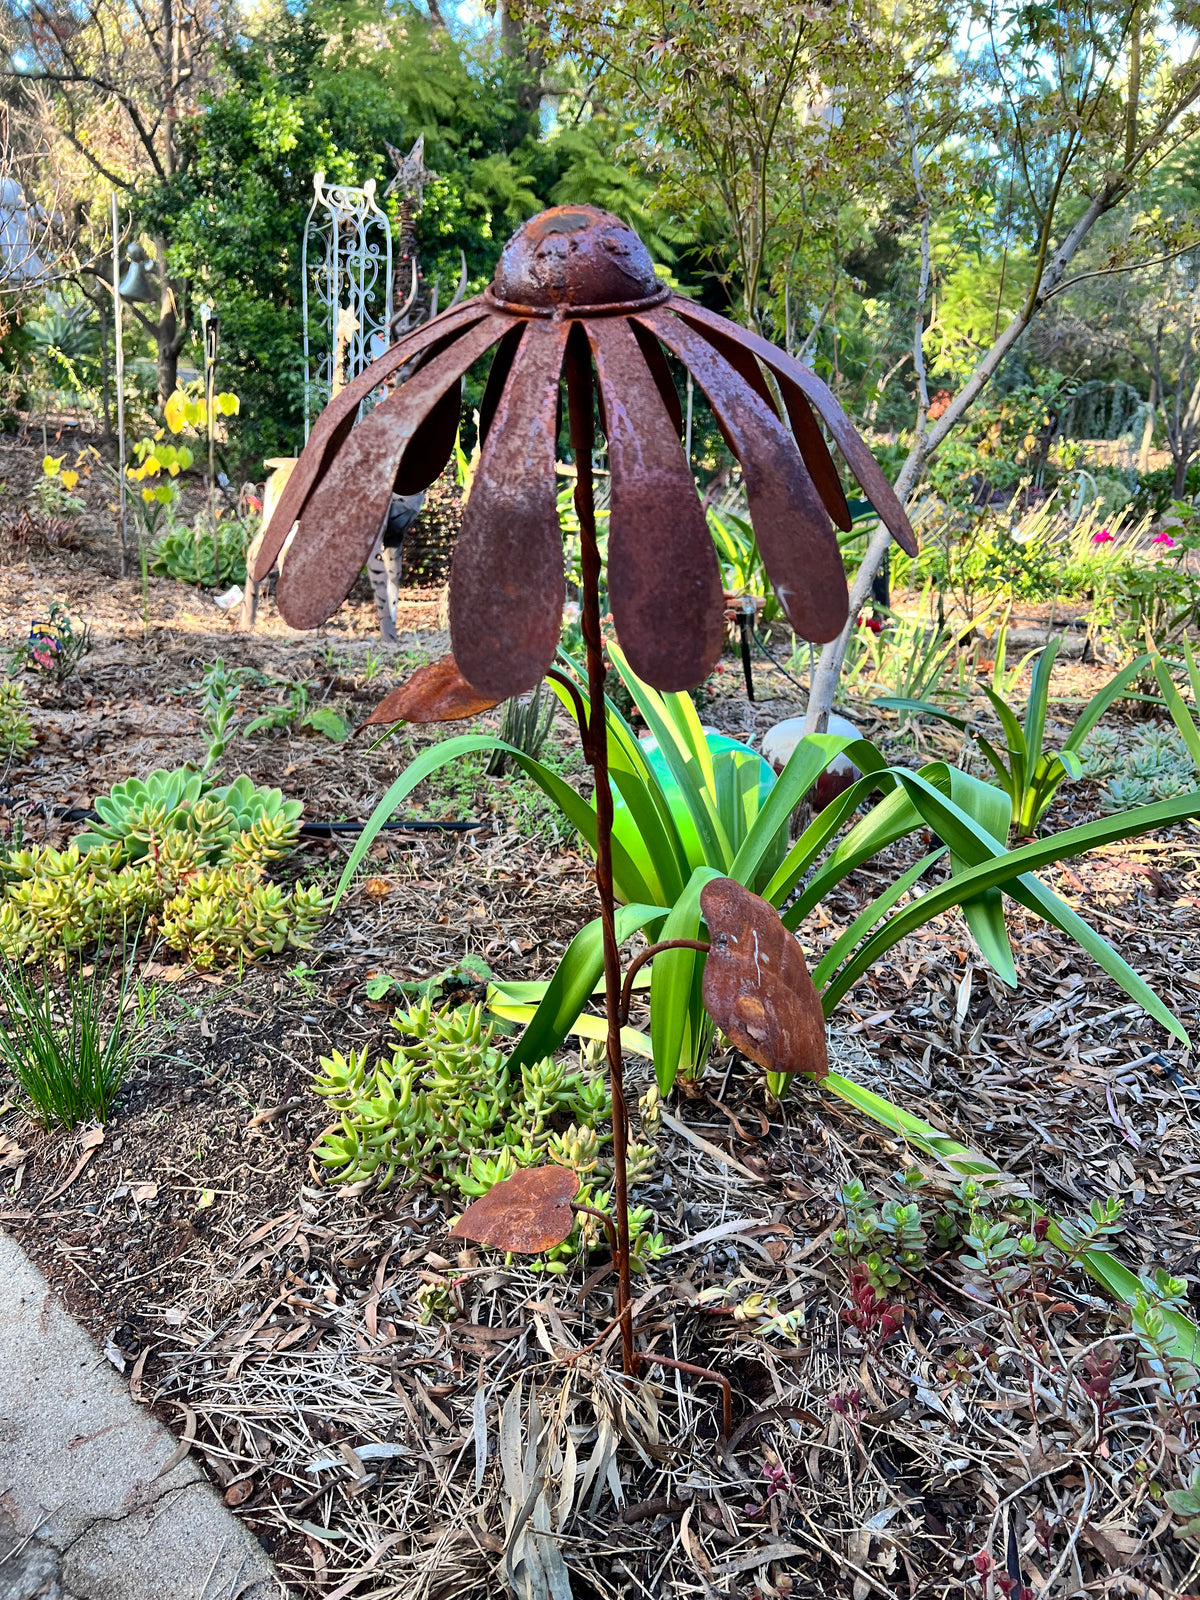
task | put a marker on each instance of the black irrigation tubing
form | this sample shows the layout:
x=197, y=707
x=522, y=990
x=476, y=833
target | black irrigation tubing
x=776, y=664
x=310, y=830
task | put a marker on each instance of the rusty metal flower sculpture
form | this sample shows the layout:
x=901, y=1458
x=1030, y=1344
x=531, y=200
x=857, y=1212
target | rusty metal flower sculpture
x=574, y=288
x=575, y=297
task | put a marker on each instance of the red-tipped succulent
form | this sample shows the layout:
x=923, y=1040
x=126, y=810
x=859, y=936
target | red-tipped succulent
x=577, y=274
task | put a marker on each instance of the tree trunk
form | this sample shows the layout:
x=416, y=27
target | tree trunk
x=168, y=334
x=829, y=670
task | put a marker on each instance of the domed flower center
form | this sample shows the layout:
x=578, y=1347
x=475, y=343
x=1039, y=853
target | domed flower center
x=573, y=260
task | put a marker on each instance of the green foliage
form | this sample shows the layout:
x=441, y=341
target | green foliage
x=1159, y=600
x=714, y=821
x=1185, y=1503
x=1156, y=490
x=324, y=87
x=447, y=1108
x=908, y=658
x=16, y=725
x=1027, y=772
x=296, y=710
x=890, y=1242
x=204, y=555
x=173, y=848
x=67, y=1058
x=526, y=727
x=238, y=821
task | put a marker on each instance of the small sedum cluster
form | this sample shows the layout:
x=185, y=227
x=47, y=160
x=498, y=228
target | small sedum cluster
x=446, y=1107
x=165, y=852
x=16, y=728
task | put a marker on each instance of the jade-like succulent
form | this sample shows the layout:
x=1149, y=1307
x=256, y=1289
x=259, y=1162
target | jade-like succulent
x=16, y=727
x=445, y=1108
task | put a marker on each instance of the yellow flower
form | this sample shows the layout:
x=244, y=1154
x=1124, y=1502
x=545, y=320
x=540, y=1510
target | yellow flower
x=148, y=496
x=50, y=465
x=69, y=479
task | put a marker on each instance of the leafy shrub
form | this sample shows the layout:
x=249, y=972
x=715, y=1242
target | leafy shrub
x=16, y=726
x=52, y=491
x=446, y=1108
x=1157, y=488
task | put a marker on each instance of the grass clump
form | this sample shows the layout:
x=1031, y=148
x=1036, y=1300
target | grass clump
x=66, y=1057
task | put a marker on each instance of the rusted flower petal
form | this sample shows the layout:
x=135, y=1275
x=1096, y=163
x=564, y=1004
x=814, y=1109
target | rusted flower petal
x=664, y=581
x=756, y=984
x=343, y=518
x=436, y=692
x=335, y=422
x=798, y=544
x=529, y=1212
x=506, y=578
x=814, y=452
x=859, y=459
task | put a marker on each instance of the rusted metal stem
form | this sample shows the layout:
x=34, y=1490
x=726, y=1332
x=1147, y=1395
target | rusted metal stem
x=595, y=744
x=640, y=960
x=606, y=1221
x=699, y=1372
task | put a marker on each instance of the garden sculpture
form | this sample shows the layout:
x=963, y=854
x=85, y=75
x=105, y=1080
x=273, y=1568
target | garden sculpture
x=575, y=295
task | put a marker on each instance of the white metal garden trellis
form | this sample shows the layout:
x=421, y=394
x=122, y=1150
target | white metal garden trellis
x=346, y=263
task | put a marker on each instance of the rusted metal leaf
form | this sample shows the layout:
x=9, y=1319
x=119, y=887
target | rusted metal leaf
x=506, y=579
x=529, y=1212
x=436, y=692
x=343, y=517
x=335, y=422
x=859, y=459
x=756, y=984
x=796, y=538
x=664, y=581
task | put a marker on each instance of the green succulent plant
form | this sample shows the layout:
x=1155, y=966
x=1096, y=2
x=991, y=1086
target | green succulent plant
x=169, y=849
x=251, y=823
x=16, y=726
x=446, y=1107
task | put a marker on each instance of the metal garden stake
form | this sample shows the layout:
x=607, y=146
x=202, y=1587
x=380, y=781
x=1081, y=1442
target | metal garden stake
x=575, y=297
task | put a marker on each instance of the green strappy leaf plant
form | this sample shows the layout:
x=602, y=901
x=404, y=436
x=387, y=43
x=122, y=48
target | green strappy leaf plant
x=1029, y=773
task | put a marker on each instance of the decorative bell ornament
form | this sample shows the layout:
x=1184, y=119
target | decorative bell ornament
x=138, y=282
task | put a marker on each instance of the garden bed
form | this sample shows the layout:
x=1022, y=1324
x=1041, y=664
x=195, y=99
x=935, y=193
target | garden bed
x=390, y=1412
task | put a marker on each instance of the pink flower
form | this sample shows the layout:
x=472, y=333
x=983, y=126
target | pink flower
x=1163, y=538
x=1102, y=536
